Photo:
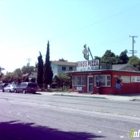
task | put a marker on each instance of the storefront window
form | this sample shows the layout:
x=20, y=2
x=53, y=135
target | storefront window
x=108, y=81
x=102, y=80
x=79, y=80
x=105, y=80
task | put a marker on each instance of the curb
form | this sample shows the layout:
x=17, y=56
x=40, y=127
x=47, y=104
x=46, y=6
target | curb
x=79, y=96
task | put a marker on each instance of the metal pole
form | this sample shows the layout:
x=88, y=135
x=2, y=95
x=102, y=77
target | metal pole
x=133, y=41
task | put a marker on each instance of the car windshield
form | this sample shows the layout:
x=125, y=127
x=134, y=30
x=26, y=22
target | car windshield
x=14, y=85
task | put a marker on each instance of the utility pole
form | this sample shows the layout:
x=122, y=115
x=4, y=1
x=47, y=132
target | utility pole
x=28, y=61
x=133, y=41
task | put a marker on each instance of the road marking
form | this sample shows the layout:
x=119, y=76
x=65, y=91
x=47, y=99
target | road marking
x=19, y=113
x=121, y=137
x=28, y=116
x=99, y=131
x=9, y=111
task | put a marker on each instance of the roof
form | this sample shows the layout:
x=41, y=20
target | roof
x=27, y=74
x=118, y=66
x=64, y=63
x=121, y=66
x=103, y=70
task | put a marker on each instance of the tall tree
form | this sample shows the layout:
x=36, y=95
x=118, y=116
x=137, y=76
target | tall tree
x=27, y=69
x=1, y=74
x=123, y=57
x=48, y=74
x=108, y=57
x=97, y=57
x=10, y=77
x=18, y=72
x=63, y=80
x=40, y=70
x=134, y=61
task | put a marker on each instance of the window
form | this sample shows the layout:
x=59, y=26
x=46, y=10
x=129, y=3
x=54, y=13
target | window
x=63, y=68
x=79, y=80
x=105, y=80
x=70, y=68
x=108, y=80
x=23, y=84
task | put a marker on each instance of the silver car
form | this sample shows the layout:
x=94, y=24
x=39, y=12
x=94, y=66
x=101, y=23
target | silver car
x=9, y=88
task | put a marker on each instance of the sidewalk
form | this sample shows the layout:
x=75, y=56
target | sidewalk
x=98, y=96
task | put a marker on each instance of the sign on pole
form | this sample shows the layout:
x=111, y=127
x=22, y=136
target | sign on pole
x=87, y=65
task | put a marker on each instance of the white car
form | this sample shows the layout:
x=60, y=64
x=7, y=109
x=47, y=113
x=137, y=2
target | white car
x=9, y=88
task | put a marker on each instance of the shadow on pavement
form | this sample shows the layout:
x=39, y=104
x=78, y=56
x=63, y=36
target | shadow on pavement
x=37, y=93
x=15, y=130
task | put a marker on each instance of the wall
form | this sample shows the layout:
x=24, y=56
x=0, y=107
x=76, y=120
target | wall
x=105, y=89
x=54, y=69
x=80, y=88
x=127, y=87
x=67, y=68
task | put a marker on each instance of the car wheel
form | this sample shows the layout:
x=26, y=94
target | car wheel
x=3, y=90
x=23, y=91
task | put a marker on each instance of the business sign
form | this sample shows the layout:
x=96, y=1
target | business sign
x=87, y=65
x=79, y=88
x=135, y=78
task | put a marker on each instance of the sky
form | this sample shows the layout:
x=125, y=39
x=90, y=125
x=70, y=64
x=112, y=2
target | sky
x=27, y=25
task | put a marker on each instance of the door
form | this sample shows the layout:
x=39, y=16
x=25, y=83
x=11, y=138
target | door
x=90, y=84
x=17, y=88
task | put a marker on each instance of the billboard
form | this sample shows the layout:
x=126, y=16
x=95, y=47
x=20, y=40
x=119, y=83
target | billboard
x=87, y=65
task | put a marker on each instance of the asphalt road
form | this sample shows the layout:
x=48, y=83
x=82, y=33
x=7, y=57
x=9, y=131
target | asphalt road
x=44, y=117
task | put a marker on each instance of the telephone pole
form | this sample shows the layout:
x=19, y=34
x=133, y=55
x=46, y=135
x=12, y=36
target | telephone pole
x=28, y=61
x=133, y=41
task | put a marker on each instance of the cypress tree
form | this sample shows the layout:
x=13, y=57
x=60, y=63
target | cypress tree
x=48, y=74
x=40, y=71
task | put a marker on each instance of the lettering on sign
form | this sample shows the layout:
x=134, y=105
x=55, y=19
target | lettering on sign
x=87, y=65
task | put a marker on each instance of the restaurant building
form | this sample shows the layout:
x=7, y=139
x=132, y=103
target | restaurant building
x=91, y=77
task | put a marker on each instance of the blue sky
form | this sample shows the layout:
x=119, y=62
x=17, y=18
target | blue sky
x=27, y=25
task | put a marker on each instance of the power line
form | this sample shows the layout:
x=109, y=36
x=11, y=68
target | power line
x=60, y=36
x=133, y=42
x=39, y=42
x=112, y=16
x=102, y=20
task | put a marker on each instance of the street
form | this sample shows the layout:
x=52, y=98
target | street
x=48, y=117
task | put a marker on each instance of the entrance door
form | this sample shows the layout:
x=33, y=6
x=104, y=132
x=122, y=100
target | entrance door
x=90, y=84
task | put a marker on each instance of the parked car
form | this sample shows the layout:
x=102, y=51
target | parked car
x=26, y=87
x=2, y=85
x=9, y=88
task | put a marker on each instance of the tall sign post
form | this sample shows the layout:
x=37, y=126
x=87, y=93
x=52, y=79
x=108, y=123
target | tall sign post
x=87, y=52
